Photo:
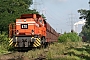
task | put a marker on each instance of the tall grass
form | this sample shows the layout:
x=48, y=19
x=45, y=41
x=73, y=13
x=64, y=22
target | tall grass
x=4, y=44
x=62, y=51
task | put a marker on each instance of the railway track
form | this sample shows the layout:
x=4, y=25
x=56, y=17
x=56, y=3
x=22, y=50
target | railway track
x=19, y=56
x=12, y=56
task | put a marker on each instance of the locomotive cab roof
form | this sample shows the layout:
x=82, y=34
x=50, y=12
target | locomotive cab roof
x=24, y=16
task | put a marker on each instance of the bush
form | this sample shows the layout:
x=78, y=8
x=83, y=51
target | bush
x=66, y=37
x=4, y=43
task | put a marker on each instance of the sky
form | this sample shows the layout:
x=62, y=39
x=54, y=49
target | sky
x=61, y=14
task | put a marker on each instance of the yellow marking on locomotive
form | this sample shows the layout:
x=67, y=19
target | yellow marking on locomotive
x=37, y=42
x=15, y=45
x=16, y=42
x=32, y=37
x=34, y=45
x=11, y=42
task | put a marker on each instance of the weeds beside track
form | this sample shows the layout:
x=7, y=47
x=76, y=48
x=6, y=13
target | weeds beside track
x=56, y=51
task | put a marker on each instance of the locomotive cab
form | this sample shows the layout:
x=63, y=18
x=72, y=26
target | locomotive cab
x=41, y=22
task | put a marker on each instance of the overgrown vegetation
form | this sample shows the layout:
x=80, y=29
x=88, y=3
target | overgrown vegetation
x=69, y=37
x=4, y=43
x=62, y=51
x=57, y=51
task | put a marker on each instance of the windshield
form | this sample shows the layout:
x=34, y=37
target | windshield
x=40, y=21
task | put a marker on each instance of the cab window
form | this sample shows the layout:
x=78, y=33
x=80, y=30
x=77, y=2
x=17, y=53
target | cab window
x=40, y=21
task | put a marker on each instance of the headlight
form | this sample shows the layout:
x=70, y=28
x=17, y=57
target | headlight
x=17, y=32
x=32, y=32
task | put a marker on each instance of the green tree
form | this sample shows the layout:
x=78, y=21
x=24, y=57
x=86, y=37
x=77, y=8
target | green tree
x=85, y=33
x=85, y=14
x=12, y=9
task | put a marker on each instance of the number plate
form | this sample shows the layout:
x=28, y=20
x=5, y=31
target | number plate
x=24, y=26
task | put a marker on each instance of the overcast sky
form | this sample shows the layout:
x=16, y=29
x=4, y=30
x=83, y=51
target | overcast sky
x=59, y=13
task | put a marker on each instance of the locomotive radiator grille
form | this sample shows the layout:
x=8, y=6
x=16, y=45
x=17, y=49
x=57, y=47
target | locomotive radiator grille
x=37, y=42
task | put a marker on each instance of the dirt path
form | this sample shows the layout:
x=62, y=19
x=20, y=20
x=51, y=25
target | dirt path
x=19, y=56
x=14, y=56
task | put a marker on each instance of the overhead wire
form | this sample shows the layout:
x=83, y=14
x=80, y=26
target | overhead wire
x=53, y=17
x=49, y=15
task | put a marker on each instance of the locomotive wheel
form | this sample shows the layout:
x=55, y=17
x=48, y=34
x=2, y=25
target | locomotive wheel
x=44, y=44
x=43, y=40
